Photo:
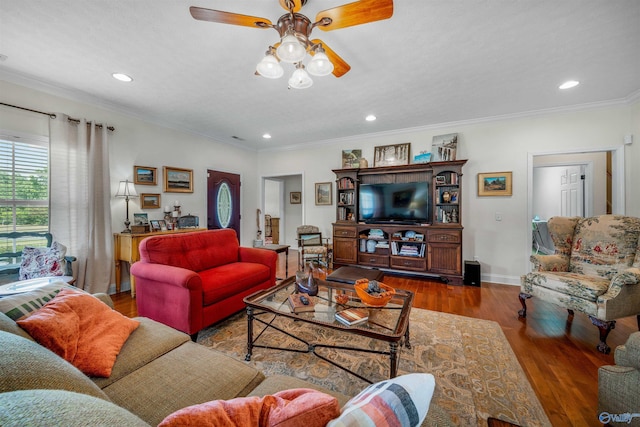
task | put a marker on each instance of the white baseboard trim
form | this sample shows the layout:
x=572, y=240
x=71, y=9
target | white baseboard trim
x=501, y=279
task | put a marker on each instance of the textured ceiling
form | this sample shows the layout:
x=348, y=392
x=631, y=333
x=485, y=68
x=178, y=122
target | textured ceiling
x=432, y=62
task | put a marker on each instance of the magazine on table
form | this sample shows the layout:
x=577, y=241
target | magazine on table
x=352, y=316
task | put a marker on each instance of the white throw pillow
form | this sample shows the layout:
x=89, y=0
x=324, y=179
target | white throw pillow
x=43, y=262
x=399, y=402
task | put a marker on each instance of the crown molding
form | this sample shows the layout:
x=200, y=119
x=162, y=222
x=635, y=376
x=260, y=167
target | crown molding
x=71, y=94
x=461, y=123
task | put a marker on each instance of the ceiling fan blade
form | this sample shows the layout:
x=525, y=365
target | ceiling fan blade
x=211, y=15
x=296, y=5
x=340, y=67
x=356, y=13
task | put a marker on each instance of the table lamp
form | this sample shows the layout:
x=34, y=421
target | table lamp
x=126, y=190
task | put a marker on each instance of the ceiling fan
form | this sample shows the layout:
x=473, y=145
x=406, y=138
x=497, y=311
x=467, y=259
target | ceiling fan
x=295, y=32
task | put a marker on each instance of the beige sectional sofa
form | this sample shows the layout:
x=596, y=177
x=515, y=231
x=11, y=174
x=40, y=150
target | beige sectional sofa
x=158, y=371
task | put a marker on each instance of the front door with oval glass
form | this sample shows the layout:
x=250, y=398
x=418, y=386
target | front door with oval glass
x=223, y=201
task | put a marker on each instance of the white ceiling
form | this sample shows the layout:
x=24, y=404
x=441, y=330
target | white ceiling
x=433, y=62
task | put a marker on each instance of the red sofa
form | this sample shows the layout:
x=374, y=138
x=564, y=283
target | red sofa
x=192, y=280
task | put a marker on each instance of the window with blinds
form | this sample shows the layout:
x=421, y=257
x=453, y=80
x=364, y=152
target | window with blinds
x=24, y=189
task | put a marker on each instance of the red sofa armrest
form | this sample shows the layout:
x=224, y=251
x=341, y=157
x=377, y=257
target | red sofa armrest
x=260, y=256
x=166, y=274
x=257, y=255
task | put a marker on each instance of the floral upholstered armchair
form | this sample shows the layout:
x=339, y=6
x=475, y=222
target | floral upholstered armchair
x=595, y=270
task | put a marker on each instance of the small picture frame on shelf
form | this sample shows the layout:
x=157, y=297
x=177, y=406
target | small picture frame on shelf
x=163, y=225
x=140, y=218
x=392, y=155
x=444, y=147
x=419, y=237
x=351, y=158
x=155, y=225
x=441, y=180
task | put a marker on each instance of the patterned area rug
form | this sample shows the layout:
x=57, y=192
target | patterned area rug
x=477, y=374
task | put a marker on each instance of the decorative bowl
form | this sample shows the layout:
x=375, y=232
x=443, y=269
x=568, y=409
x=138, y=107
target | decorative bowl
x=374, y=299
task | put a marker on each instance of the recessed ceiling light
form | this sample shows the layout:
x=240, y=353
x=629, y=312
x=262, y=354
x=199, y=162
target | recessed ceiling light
x=122, y=77
x=370, y=118
x=266, y=136
x=569, y=84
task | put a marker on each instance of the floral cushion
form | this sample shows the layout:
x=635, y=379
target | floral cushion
x=577, y=285
x=604, y=245
x=561, y=230
x=43, y=262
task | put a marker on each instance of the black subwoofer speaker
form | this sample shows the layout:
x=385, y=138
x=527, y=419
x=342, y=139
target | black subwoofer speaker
x=472, y=273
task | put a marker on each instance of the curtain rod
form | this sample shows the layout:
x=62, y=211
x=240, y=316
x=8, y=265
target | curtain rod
x=52, y=115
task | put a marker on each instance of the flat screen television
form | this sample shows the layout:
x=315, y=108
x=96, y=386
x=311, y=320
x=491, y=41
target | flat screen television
x=405, y=203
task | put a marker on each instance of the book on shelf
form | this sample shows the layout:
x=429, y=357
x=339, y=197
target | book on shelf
x=296, y=304
x=352, y=316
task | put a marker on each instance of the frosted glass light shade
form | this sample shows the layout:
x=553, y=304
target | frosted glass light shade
x=300, y=79
x=320, y=65
x=270, y=68
x=290, y=49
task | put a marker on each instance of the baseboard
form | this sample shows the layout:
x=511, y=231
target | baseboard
x=501, y=279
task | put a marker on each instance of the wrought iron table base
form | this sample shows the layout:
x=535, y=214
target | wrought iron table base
x=311, y=347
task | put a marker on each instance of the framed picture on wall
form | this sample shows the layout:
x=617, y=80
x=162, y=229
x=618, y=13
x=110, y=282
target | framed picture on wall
x=178, y=180
x=295, y=197
x=149, y=201
x=323, y=193
x=494, y=184
x=145, y=175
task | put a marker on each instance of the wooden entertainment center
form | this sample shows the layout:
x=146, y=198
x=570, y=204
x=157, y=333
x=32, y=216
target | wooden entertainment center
x=432, y=248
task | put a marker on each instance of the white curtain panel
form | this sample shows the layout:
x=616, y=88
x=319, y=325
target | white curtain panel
x=80, y=199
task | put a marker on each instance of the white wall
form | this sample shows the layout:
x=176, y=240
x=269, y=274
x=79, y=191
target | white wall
x=136, y=142
x=490, y=146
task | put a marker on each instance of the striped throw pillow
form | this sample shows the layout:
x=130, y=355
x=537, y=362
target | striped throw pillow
x=399, y=402
x=17, y=306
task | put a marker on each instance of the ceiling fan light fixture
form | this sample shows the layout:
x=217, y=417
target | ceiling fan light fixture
x=290, y=49
x=269, y=67
x=320, y=64
x=300, y=79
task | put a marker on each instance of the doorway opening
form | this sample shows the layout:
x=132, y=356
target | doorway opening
x=577, y=183
x=286, y=213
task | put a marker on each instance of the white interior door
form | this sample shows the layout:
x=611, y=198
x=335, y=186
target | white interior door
x=571, y=181
x=559, y=190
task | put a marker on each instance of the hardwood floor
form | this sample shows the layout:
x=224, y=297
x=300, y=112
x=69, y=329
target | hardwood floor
x=558, y=355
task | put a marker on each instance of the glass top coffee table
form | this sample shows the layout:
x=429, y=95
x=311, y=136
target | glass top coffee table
x=388, y=324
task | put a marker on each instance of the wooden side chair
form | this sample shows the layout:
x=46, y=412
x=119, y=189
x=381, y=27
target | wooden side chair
x=311, y=245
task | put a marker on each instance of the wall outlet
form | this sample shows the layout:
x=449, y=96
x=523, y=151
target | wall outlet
x=498, y=216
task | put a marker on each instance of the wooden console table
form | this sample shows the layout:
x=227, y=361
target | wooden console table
x=125, y=248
